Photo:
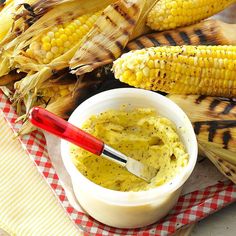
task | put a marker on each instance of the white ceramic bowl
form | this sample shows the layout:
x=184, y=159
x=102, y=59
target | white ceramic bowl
x=130, y=209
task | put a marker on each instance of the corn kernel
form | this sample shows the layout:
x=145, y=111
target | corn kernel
x=67, y=44
x=57, y=35
x=46, y=39
x=50, y=34
x=127, y=74
x=49, y=56
x=139, y=76
x=64, y=37
x=68, y=31
x=59, y=42
x=55, y=50
x=64, y=92
x=46, y=46
x=146, y=71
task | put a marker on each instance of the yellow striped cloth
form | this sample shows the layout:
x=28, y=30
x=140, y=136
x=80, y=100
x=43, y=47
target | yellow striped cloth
x=27, y=205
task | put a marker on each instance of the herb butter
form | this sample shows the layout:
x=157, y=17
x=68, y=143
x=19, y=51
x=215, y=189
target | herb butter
x=141, y=134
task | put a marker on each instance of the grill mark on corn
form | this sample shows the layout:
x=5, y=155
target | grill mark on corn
x=101, y=46
x=123, y=14
x=119, y=45
x=139, y=44
x=170, y=39
x=228, y=108
x=59, y=20
x=226, y=138
x=202, y=38
x=200, y=99
x=213, y=126
x=94, y=54
x=108, y=18
x=18, y=31
x=214, y=104
x=154, y=41
x=184, y=36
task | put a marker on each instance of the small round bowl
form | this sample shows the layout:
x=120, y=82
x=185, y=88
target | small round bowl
x=130, y=209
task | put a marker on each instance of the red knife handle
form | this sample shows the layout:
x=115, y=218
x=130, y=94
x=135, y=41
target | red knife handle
x=63, y=129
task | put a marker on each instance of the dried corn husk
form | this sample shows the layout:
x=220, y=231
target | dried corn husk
x=226, y=168
x=208, y=32
x=10, y=27
x=90, y=84
x=38, y=73
x=119, y=23
x=62, y=106
x=25, y=13
x=67, y=10
x=214, y=121
x=10, y=78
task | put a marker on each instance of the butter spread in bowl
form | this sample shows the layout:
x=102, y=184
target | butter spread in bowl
x=139, y=133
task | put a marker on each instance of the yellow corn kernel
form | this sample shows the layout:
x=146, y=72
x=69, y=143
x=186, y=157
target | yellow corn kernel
x=64, y=92
x=46, y=46
x=169, y=14
x=204, y=70
x=55, y=91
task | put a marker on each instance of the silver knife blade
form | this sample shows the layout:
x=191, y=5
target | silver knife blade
x=137, y=168
x=141, y=170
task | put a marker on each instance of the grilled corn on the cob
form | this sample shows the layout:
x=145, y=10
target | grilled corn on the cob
x=215, y=126
x=170, y=14
x=50, y=51
x=204, y=70
x=60, y=39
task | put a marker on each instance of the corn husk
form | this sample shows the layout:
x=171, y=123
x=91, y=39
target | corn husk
x=62, y=106
x=225, y=167
x=88, y=85
x=214, y=122
x=119, y=23
x=23, y=14
x=38, y=73
x=213, y=32
x=11, y=78
x=10, y=27
x=65, y=12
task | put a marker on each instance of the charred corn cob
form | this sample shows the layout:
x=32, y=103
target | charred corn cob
x=204, y=70
x=215, y=126
x=170, y=14
x=208, y=32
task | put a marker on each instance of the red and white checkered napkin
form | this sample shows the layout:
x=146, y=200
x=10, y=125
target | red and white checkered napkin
x=190, y=208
